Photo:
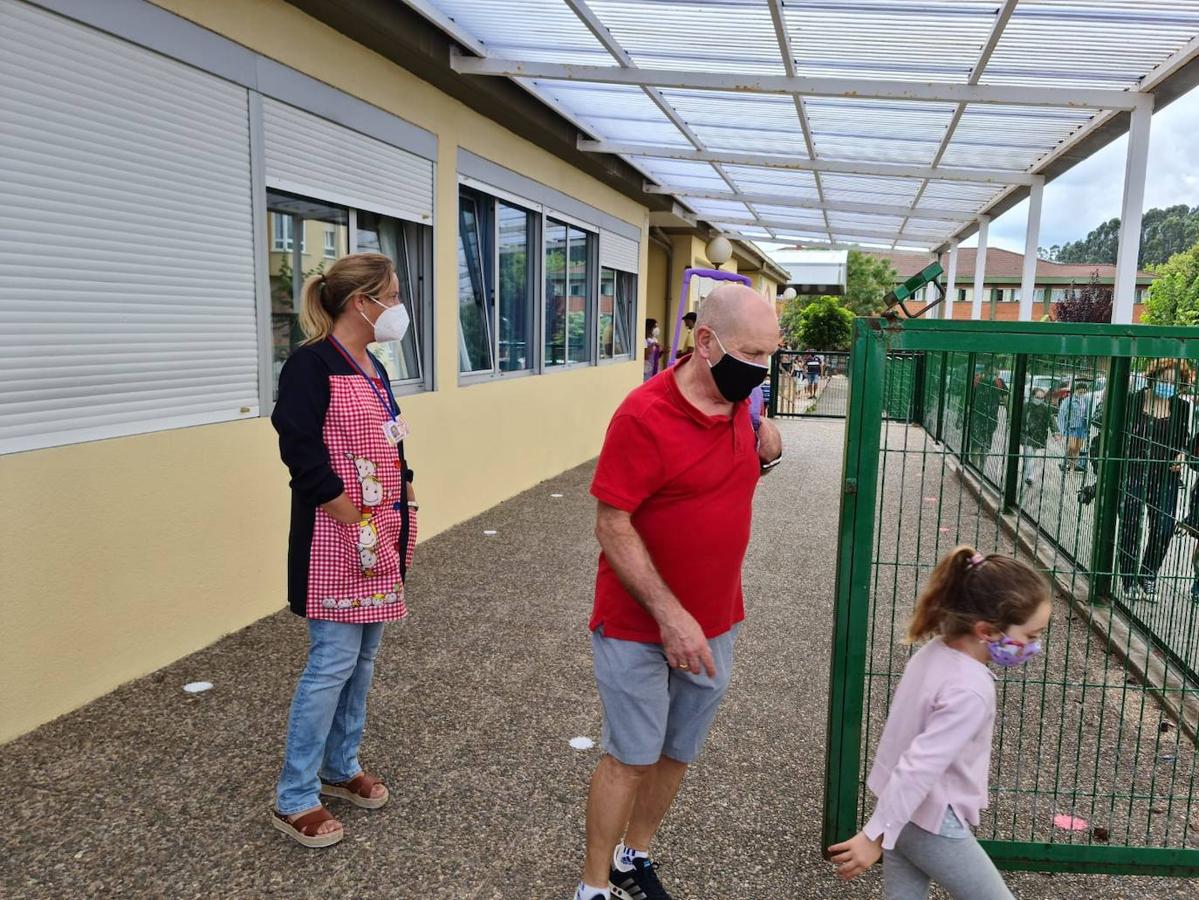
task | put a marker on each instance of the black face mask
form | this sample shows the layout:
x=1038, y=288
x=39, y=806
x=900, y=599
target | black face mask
x=736, y=378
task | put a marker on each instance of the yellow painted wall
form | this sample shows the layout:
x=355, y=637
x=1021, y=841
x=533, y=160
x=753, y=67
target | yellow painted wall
x=656, y=286
x=171, y=540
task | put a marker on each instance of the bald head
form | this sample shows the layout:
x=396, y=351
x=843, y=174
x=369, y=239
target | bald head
x=742, y=318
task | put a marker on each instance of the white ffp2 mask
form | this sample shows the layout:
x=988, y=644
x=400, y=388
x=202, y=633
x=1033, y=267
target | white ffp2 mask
x=392, y=324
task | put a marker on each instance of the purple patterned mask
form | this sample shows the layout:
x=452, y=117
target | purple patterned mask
x=1008, y=652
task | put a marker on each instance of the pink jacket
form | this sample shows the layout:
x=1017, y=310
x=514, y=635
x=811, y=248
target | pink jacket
x=935, y=751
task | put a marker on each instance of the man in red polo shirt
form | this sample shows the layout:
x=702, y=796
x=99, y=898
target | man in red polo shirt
x=674, y=485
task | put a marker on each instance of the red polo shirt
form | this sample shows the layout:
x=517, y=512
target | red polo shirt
x=688, y=481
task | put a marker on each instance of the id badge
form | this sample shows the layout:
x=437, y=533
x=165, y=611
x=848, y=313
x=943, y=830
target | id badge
x=395, y=430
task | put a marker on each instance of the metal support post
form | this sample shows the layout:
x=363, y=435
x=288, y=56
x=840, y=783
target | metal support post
x=1124, y=296
x=772, y=409
x=951, y=288
x=968, y=410
x=916, y=407
x=1015, y=424
x=980, y=268
x=941, y=397
x=1032, y=233
x=1111, y=451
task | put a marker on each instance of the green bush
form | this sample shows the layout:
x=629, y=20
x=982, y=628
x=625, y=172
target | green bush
x=823, y=324
x=1174, y=294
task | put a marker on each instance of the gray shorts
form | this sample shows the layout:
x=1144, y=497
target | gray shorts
x=652, y=710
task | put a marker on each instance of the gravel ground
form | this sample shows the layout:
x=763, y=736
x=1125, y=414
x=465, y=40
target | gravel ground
x=150, y=792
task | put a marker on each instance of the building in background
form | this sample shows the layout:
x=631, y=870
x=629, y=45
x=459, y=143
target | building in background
x=815, y=272
x=1001, y=286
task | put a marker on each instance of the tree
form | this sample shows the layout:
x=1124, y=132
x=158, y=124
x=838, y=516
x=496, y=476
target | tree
x=867, y=280
x=790, y=321
x=1165, y=232
x=1174, y=294
x=1090, y=303
x=825, y=325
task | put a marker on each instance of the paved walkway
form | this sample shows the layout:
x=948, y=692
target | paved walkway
x=150, y=792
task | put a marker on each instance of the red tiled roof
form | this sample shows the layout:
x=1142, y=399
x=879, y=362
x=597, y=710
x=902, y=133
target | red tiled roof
x=1000, y=264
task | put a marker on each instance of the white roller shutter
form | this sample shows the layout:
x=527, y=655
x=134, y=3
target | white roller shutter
x=316, y=158
x=126, y=240
x=618, y=252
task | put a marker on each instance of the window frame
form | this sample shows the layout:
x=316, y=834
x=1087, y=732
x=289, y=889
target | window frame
x=631, y=354
x=536, y=254
x=591, y=313
x=422, y=305
x=541, y=217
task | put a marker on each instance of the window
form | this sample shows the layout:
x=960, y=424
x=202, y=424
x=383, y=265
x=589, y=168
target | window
x=497, y=285
x=618, y=298
x=290, y=266
x=517, y=230
x=283, y=234
x=569, y=307
x=410, y=247
x=408, y=244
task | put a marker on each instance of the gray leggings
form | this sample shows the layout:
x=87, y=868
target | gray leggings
x=953, y=859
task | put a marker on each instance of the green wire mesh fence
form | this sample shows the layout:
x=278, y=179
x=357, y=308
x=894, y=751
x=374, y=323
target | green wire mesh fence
x=809, y=385
x=1062, y=444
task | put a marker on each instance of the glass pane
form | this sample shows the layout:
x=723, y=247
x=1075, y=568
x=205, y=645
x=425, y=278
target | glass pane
x=383, y=234
x=579, y=302
x=607, y=314
x=626, y=302
x=517, y=294
x=290, y=266
x=556, y=292
x=474, y=307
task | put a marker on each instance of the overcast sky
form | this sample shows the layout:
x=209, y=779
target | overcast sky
x=1090, y=193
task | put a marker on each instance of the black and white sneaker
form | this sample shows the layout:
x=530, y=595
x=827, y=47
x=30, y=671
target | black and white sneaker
x=639, y=883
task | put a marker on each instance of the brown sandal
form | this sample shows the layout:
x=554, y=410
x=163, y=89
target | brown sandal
x=304, y=829
x=357, y=790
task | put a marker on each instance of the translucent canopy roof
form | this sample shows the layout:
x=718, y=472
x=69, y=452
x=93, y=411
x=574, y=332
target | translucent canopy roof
x=882, y=122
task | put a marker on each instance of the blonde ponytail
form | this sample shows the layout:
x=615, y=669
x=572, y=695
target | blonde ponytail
x=326, y=295
x=967, y=587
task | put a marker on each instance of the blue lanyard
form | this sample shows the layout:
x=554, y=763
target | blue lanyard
x=386, y=403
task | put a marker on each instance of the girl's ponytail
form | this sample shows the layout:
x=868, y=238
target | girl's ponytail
x=935, y=605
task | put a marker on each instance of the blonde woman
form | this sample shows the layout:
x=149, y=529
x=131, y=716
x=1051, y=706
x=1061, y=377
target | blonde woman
x=353, y=527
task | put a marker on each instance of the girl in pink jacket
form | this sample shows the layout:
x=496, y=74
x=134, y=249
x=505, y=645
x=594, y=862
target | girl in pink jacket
x=930, y=770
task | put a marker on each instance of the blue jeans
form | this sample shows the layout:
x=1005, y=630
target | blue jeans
x=328, y=712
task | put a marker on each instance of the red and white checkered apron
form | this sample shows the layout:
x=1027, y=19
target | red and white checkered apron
x=354, y=574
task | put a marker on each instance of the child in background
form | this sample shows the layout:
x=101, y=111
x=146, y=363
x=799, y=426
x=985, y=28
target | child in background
x=930, y=770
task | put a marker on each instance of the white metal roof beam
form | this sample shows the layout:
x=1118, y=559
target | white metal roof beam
x=806, y=86
x=800, y=228
x=801, y=112
x=601, y=33
x=839, y=166
x=976, y=72
x=823, y=243
x=845, y=206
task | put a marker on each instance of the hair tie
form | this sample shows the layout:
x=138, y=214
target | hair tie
x=975, y=561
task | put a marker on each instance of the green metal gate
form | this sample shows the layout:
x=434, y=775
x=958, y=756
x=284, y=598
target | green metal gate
x=1095, y=765
x=793, y=396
